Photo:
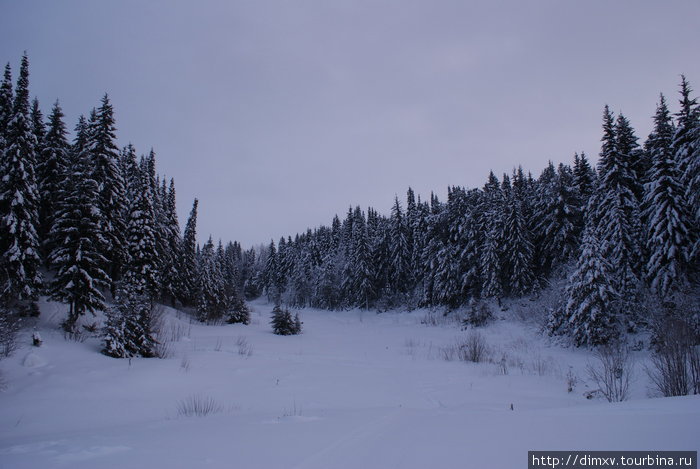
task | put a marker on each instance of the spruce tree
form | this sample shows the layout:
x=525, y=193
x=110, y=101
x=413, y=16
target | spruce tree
x=188, y=260
x=78, y=241
x=665, y=212
x=590, y=296
x=211, y=297
x=52, y=168
x=492, y=226
x=170, y=273
x=6, y=99
x=129, y=330
x=618, y=214
x=584, y=178
x=107, y=174
x=518, y=248
x=20, y=278
x=141, y=257
x=686, y=148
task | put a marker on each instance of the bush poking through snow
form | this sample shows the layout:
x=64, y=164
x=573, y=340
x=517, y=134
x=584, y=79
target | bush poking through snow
x=612, y=372
x=9, y=326
x=245, y=349
x=474, y=348
x=197, y=405
x=675, y=362
x=283, y=323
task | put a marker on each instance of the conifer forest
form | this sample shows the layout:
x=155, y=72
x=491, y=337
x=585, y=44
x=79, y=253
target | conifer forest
x=95, y=226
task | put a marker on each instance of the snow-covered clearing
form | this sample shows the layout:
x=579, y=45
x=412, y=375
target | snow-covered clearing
x=355, y=390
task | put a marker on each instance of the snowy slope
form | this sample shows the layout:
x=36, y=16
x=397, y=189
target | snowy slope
x=354, y=390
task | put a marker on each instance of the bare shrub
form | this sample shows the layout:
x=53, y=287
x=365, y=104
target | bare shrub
x=185, y=363
x=245, y=349
x=675, y=362
x=543, y=366
x=9, y=327
x=198, y=405
x=612, y=372
x=219, y=344
x=75, y=336
x=571, y=380
x=474, y=348
x=433, y=318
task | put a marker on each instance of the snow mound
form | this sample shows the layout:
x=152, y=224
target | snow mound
x=33, y=360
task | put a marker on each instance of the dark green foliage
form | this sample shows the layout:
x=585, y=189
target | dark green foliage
x=112, y=198
x=237, y=311
x=188, y=260
x=52, y=169
x=78, y=242
x=20, y=278
x=129, y=330
x=283, y=323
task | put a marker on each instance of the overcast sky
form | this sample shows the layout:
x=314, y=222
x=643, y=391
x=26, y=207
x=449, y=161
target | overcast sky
x=279, y=114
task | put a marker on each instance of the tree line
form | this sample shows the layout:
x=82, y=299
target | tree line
x=83, y=220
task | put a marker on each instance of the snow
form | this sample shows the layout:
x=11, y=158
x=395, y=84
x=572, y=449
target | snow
x=355, y=389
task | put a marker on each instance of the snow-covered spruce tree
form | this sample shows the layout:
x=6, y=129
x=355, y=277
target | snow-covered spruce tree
x=211, y=297
x=20, y=279
x=76, y=236
x=51, y=170
x=187, y=291
x=584, y=178
x=399, y=255
x=283, y=323
x=686, y=148
x=141, y=257
x=110, y=183
x=518, y=247
x=170, y=273
x=590, y=296
x=491, y=224
x=129, y=330
x=558, y=221
x=6, y=99
x=618, y=214
x=361, y=266
x=665, y=211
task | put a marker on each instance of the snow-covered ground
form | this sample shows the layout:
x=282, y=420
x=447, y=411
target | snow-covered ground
x=355, y=390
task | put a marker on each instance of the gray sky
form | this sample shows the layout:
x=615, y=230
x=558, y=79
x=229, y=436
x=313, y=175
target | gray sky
x=279, y=114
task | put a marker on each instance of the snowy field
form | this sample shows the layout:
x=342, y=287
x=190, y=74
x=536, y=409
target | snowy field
x=355, y=390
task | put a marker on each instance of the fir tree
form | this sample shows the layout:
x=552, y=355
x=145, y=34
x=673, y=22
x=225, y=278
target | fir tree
x=686, y=148
x=618, y=214
x=590, y=296
x=211, y=297
x=170, y=273
x=518, y=247
x=283, y=323
x=129, y=330
x=77, y=238
x=6, y=99
x=141, y=267
x=188, y=260
x=107, y=174
x=20, y=278
x=52, y=168
x=668, y=231
x=584, y=178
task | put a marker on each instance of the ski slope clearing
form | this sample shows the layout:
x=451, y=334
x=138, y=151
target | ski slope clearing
x=356, y=389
